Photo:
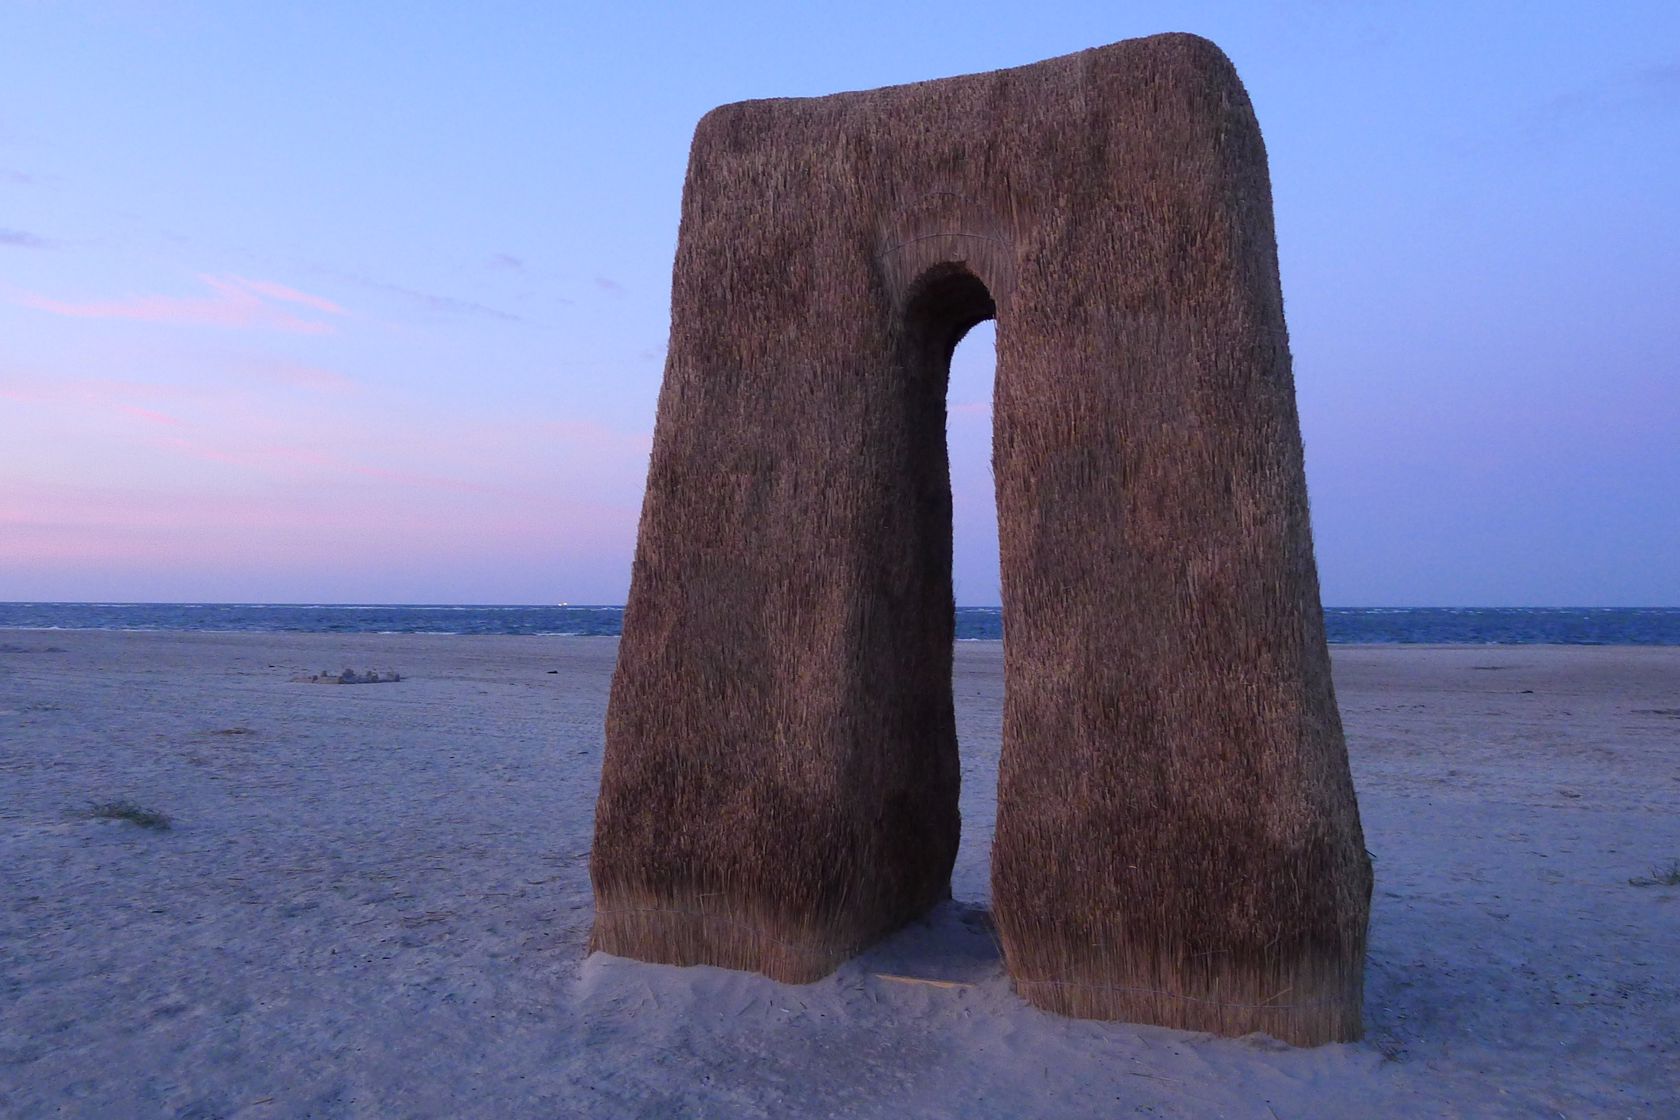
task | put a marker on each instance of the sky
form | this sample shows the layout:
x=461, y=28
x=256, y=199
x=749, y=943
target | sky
x=326, y=302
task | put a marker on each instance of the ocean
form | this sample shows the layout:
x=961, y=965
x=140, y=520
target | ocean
x=1592, y=626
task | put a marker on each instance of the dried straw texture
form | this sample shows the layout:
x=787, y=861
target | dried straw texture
x=1178, y=840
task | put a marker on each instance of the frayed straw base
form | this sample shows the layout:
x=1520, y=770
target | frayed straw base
x=695, y=932
x=1306, y=1002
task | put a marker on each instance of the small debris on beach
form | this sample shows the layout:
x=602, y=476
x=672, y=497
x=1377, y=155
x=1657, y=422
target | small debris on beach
x=351, y=676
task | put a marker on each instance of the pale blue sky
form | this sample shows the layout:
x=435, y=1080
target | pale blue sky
x=367, y=302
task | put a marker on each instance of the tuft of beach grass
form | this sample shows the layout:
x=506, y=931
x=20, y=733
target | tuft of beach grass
x=125, y=810
x=1662, y=875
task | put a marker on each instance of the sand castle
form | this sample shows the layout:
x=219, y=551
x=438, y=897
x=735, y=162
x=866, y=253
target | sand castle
x=1177, y=838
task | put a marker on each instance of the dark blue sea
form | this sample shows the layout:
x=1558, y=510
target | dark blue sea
x=1585, y=626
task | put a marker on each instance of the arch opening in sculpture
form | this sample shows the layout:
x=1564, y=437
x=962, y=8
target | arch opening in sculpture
x=970, y=386
x=943, y=307
x=944, y=303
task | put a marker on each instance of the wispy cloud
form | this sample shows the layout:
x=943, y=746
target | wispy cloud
x=23, y=239
x=609, y=285
x=44, y=389
x=233, y=302
x=287, y=460
x=305, y=377
x=94, y=394
x=428, y=301
x=507, y=262
x=1639, y=91
x=1667, y=74
x=149, y=415
x=288, y=295
x=1661, y=82
x=591, y=436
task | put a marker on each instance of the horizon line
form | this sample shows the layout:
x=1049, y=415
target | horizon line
x=620, y=606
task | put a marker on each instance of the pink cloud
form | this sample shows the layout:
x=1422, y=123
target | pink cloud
x=150, y=415
x=98, y=392
x=297, y=463
x=234, y=302
x=301, y=376
x=313, y=377
x=287, y=295
x=191, y=541
x=589, y=436
x=262, y=457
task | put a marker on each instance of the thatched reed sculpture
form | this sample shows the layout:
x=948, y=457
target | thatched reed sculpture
x=1177, y=836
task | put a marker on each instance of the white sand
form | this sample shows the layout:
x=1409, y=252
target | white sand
x=374, y=902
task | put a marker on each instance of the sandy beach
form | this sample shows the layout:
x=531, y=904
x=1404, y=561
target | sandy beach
x=373, y=901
